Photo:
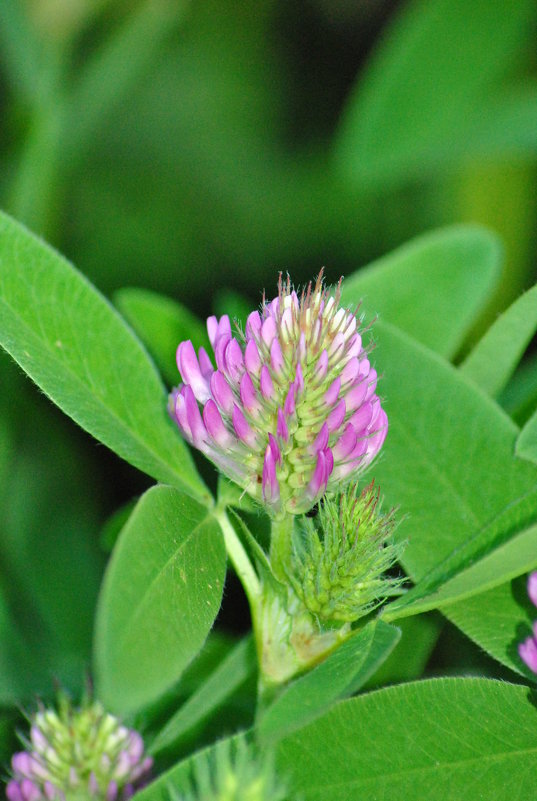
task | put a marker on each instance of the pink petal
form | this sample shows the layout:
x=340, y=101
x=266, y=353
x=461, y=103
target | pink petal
x=350, y=371
x=355, y=396
x=346, y=443
x=317, y=480
x=277, y=361
x=336, y=416
x=361, y=419
x=195, y=423
x=265, y=383
x=206, y=365
x=289, y=403
x=242, y=427
x=189, y=368
x=270, y=485
x=215, y=425
x=336, y=348
x=275, y=448
x=299, y=378
x=322, y=367
x=532, y=587
x=281, y=427
x=248, y=394
x=234, y=360
x=268, y=331
x=253, y=325
x=332, y=393
x=354, y=346
x=528, y=653
x=251, y=358
x=371, y=384
x=321, y=440
x=221, y=392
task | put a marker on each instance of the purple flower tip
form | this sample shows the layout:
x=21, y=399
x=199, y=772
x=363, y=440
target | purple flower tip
x=290, y=409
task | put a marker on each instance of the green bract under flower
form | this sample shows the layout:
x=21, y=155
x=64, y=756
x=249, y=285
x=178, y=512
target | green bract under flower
x=290, y=410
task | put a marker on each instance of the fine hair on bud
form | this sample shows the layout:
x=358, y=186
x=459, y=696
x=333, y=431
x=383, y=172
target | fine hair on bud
x=341, y=558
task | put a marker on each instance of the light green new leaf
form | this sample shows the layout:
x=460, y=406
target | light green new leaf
x=439, y=740
x=161, y=593
x=498, y=620
x=341, y=673
x=432, y=287
x=76, y=347
x=225, y=679
x=444, y=435
x=426, y=88
x=161, y=323
x=494, y=359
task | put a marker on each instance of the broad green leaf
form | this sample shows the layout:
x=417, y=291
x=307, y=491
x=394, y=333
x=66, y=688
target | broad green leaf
x=448, y=458
x=341, y=673
x=225, y=679
x=493, y=360
x=161, y=323
x=468, y=572
x=425, y=89
x=161, y=593
x=74, y=345
x=432, y=287
x=408, y=659
x=498, y=620
x=439, y=740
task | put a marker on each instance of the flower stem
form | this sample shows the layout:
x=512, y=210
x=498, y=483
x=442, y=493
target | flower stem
x=239, y=559
x=281, y=545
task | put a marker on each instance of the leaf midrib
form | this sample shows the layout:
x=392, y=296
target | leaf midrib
x=110, y=411
x=120, y=641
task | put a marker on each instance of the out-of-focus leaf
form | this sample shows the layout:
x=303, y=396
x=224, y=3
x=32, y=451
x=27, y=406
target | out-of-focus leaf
x=519, y=397
x=444, y=435
x=439, y=740
x=340, y=674
x=497, y=620
x=161, y=323
x=226, y=678
x=526, y=444
x=74, y=345
x=433, y=287
x=411, y=654
x=425, y=89
x=235, y=305
x=442, y=587
x=160, y=596
x=495, y=357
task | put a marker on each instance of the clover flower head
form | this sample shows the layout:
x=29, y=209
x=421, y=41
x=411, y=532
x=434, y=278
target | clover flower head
x=78, y=753
x=290, y=411
x=528, y=649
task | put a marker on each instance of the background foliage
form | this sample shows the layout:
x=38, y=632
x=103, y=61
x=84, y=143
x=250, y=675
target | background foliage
x=195, y=149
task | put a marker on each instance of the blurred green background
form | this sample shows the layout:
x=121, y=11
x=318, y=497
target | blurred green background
x=200, y=147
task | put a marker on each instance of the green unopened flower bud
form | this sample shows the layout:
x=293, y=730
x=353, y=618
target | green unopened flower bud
x=339, y=559
x=233, y=772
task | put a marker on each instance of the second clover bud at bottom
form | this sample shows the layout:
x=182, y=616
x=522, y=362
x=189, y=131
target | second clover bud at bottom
x=290, y=412
x=340, y=558
x=78, y=754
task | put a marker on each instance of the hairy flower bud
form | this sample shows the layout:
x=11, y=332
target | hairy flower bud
x=233, y=771
x=340, y=559
x=290, y=410
x=81, y=753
